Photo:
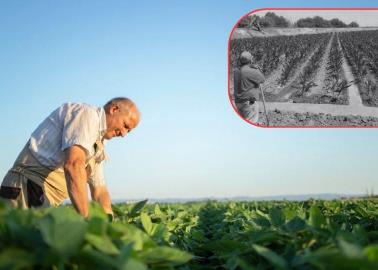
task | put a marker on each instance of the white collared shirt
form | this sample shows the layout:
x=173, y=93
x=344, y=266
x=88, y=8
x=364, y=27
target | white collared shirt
x=70, y=124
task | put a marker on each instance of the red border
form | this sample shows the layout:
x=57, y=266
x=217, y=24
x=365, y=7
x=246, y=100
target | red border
x=228, y=67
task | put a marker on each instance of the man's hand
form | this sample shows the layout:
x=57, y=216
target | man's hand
x=252, y=100
x=76, y=176
x=100, y=194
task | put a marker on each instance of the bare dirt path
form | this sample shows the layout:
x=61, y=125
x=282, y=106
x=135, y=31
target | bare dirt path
x=291, y=119
x=353, y=93
x=321, y=108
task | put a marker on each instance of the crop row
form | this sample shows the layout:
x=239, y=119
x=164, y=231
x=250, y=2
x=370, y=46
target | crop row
x=269, y=52
x=361, y=51
x=211, y=235
x=335, y=84
x=305, y=80
x=283, y=235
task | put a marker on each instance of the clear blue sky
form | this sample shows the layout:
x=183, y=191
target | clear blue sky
x=170, y=57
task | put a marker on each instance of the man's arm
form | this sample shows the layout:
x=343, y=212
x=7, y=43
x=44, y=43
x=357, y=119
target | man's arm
x=101, y=195
x=76, y=177
x=260, y=76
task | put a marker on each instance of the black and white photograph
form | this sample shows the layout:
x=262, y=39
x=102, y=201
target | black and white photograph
x=305, y=68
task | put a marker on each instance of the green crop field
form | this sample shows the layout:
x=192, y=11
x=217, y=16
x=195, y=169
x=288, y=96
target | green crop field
x=208, y=235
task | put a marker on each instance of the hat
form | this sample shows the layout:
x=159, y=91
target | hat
x=245, y=58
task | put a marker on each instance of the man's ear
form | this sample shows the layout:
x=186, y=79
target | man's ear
x=113, y=109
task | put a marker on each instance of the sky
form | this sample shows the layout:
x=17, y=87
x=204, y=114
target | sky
x=170, y=57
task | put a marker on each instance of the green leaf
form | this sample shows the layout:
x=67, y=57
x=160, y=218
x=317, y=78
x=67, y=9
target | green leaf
x=290, y=213
x=349, y=249
x=164, y=256
x=263, y=237
x=317, y=219
x=90, y=258
x=263, y=222
x=64, y=236
x=136, y=209
x=132, y=264
x=276, y=260
x=277, y=217
x=371, y=252
x=157, y=210
x=15, y=258
x=231, y=263
x=20, y=227
x=3, y=205
x=97, y=226
x=129, y=233
x=223, y=246
x=64, y=213
x=373, y=236
x=198, y=235
x=296, y=224
x=125, y=254
x=158, y=231
x=118, y=211
x=146, y=222
x=244, y=265
x=102, y=243
x=96, y=211
x=331, y=258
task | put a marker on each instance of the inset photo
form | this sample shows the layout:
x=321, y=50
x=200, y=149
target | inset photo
x=305, y=68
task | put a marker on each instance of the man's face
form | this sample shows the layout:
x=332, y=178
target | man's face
x=119, y=123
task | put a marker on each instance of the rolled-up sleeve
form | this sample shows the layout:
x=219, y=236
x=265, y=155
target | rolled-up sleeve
x=80, y=128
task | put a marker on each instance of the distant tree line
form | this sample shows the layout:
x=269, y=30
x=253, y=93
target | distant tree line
x=271, y=19
x=322, y=23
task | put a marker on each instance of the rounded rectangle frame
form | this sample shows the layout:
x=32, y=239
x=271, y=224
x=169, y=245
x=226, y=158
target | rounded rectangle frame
x=361, y=113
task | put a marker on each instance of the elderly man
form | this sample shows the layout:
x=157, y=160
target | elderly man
x=247, y=80
x=65, y=153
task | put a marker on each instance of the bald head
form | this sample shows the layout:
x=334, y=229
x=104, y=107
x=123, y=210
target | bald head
x=245, y=58
x=122, y=115
x=121, y=102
